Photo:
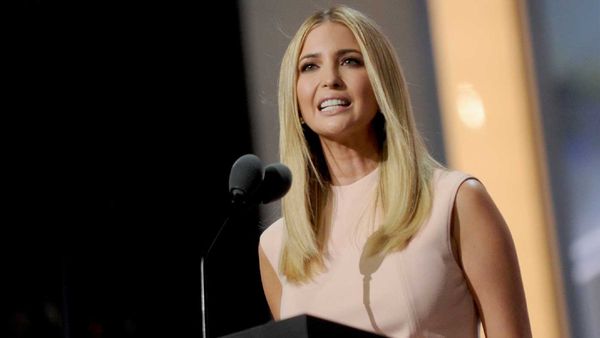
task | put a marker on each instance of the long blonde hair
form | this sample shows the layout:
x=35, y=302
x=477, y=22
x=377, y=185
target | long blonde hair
x=406, y=166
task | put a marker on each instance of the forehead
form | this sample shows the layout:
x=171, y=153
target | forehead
x=329, y=36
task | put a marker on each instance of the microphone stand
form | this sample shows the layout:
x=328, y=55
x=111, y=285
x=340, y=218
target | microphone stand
x=246, y=178
x=238, y=207
x=202, y=279
x=203, y=303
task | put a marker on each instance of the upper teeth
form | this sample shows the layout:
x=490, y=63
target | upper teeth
x=332, y=102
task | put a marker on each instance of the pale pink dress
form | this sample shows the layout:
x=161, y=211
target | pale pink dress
x=417, y=292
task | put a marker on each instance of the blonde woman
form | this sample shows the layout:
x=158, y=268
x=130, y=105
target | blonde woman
x=376, y=234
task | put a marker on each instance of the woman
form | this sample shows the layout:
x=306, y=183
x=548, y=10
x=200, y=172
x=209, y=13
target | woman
x=375, y=234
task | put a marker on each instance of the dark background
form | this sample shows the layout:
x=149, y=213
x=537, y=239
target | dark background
x=123, y=121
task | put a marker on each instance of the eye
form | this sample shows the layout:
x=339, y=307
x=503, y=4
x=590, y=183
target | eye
x=308, y=67
x=352, y=61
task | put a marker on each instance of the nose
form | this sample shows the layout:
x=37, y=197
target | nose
x=331, y=78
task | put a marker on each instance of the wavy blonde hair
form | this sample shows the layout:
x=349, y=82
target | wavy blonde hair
x=406, y=167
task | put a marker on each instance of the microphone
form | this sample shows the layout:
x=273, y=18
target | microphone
x=245, y=178
x=276, y=183
x=249, y=184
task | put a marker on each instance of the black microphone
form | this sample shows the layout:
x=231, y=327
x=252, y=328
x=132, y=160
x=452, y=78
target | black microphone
x=245, y=178
x=249, y=185
x=276, y=183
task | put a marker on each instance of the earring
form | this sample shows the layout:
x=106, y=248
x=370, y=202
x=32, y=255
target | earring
x=302, y=120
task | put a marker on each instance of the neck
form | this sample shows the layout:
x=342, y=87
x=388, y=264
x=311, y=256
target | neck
x=348, y=163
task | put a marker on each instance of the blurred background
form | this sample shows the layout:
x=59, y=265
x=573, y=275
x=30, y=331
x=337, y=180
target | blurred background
x=123, y=120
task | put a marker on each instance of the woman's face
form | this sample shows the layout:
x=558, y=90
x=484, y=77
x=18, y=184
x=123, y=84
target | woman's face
x=334, y=92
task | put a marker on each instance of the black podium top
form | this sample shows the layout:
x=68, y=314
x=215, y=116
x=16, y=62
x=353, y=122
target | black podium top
x=303, y=326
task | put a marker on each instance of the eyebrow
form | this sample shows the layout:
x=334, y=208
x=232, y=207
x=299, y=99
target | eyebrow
x=338, y=53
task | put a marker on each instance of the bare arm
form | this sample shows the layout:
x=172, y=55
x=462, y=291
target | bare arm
x=270, y=283
x=489, y=261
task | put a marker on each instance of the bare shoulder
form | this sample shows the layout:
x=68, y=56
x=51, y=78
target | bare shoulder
x=471, y=195
x=273, y=231
x=268, y=258
x=489, y=262
x=477, y=212
x=270, y=239
x=481, y=228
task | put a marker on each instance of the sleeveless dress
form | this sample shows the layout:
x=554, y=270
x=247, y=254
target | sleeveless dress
x=419, y=291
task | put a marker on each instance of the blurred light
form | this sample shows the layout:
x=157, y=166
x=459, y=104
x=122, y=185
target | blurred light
x=585, y=254
x=52, y=314
x=95, y=329
x=130, y=326
x=22, y=324
x=470, y=106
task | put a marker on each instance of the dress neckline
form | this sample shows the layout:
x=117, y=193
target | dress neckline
x=364, y=181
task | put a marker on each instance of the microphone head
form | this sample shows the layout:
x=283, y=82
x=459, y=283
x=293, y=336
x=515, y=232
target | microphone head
x=245, y=178
x=276, y=182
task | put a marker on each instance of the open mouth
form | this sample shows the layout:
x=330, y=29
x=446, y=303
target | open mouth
x=331, y=104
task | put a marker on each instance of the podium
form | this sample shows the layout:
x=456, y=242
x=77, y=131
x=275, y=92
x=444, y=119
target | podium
x=304, y=326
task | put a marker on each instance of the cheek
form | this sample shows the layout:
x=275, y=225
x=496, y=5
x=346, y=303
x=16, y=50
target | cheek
x=304, y=93
x=369, y=96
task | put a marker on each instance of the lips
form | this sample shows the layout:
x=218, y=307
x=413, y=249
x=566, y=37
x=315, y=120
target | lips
x=333, y=103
